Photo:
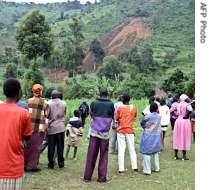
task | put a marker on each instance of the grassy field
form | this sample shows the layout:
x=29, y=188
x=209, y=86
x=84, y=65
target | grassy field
x=174, y=174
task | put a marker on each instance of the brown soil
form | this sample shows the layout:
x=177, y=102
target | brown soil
x=124, y=36
x=56, y=76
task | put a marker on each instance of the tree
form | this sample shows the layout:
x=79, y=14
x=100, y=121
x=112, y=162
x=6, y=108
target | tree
x=32, y=76
x=33, y=36
x=73, y=50
x=95, y=47
x=142, y=58
x=112, y=68
x=11, y=71
x=175, y=83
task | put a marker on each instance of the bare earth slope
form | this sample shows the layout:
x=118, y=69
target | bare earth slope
x=125, y=36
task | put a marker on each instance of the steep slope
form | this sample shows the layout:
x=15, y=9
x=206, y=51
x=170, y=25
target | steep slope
x=123, y=37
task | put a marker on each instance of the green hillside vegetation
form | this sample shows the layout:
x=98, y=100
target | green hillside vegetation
x=153, y=60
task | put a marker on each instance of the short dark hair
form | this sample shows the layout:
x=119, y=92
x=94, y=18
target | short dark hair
x=77, y=113
x=151, y=99
x=60, y=95
x=162, y=101
x=11, y=88
x=55, y=94
x=157, y=98
x=153, y=107
x=125, y=98
x=103, y=92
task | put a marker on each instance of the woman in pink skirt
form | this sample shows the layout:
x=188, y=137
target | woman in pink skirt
x=182, y=129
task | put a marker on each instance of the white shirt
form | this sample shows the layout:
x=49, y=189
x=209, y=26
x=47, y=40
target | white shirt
x=165, y=115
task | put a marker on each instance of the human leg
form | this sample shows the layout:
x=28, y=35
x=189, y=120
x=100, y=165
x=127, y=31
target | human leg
x=92, y=154
x=32, y=151
x=113, y=141
x=103, y=160
x=155, y=164
x=67, y=151
x=51, y=150
x=176, y=155
x=184, y=152
x=60, y=149
x=121, y=151
x=132, y=151
x=172, y=120
x=75, y=153
x=146, y=164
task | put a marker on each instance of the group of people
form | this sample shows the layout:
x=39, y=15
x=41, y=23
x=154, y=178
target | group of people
x=26, y=125
x=37, y=120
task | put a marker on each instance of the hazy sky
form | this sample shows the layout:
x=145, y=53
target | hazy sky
x=48, y=1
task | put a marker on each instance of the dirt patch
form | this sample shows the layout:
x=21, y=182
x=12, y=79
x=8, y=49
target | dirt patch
x=125, y=36
x=56, y=76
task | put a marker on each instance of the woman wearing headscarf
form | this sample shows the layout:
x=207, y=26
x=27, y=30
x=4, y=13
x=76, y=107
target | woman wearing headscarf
x=182, y=128
x=38, y=110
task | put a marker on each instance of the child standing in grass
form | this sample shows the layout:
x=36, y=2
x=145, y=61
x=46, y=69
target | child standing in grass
x=151, y=140
x=74, y=133
x=165, y=118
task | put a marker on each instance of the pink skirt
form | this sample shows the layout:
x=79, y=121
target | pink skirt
x=182, y=134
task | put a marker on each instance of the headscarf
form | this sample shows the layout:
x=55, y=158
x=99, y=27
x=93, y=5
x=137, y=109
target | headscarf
x=183, y=97
x=37, y=89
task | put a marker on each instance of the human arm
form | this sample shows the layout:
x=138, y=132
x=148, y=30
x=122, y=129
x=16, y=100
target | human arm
x=26, y=128
x=143, y=122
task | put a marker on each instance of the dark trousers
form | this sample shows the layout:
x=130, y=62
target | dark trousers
x=172, y=123
x=95, y=145
x=53, y=141
x=83, y=121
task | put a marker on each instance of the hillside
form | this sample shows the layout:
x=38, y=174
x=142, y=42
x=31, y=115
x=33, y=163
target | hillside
x=125, y=36
x=171, y=23
x=120, y=25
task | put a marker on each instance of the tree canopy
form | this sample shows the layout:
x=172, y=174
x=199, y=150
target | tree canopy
x=33, y=36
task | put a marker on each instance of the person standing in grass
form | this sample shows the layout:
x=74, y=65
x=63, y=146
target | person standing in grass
x=173, y=112
x=15, y=128
x=182, y=128
x=165, y=117
x=126, y=115
x=102, y=113
x=151, y=141
x=192, y=118
x=115, y=125
x=146, y=109
x=56, y=128
x=38, y=110
x=74, y=133
x=84, y=109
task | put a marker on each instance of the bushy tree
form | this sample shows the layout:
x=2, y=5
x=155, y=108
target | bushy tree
x=73, y=49
x=32, y=76
x=95, y=47
x=11, y=71
x=111, y=67
x=33, y=36
x=175, y=83
x=142, y=58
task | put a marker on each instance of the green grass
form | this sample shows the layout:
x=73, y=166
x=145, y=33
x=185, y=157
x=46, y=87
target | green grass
x=174, y=174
